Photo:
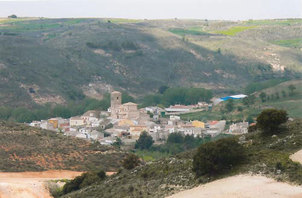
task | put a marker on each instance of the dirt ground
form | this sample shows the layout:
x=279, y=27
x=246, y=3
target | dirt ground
x=30, y=184
x=243, y=186
x=297, y=157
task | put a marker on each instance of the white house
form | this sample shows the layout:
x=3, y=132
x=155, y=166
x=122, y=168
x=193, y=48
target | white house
x=239, y=128
x=76, y=121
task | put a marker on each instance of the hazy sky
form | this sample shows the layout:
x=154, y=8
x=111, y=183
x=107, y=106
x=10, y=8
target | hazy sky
x=154, y=9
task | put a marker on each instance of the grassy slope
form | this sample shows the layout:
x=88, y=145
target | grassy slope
x=24, y=148
x=167, y=176
x=51, y=55
x=292, y=104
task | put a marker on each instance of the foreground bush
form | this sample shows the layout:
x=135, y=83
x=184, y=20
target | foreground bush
x=131, y=161
x=216, y=157
x=83, y=180
x=270, y=120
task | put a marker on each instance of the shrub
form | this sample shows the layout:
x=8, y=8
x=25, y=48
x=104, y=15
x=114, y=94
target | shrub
x=131, y=161
x=83, y=180
x=215, y=157
x=270, y=119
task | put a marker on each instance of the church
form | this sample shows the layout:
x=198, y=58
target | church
x=122, y=111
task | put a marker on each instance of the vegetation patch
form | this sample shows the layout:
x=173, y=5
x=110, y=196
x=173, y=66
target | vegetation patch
x=189, y=31
x=235, y=30
x=294, y=43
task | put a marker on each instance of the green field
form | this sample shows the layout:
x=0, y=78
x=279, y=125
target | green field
x=235, y=30
x=295, y=43
x=189, y=31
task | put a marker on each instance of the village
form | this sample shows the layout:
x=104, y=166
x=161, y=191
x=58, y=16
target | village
x=125, y=122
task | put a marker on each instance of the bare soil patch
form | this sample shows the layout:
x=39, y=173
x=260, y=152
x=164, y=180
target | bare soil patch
x=30, y=184
x=243, y=186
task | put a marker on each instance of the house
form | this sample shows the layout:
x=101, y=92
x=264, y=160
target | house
x=76, y=121
x=189, y=129
x=239, y=128
x=170, y=128
x=95, y=135
x=54, y=122
x=63, y=125
x=135, y=131
x=176, y=109
x=214, y=128
x=35, y=124
x=125, y=122
x=46, y=125
x=198, y=124
x=90, y=117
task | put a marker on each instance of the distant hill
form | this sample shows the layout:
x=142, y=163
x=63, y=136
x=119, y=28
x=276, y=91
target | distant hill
x=23, y=148
x=58, y=60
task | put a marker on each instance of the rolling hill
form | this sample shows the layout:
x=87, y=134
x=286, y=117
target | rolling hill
x=60, y=60
x=24, y=148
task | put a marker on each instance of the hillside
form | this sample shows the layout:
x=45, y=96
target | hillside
x=24, y=148
x=58, y=60
x=266, y=155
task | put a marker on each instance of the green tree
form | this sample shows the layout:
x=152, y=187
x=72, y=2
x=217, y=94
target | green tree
x=229, y=105
x=291, y=89
x=175, y=138
x=13, y=16
x=262, y=96
x=130, y=161
x=215, y=157
x=270, y=120
x=162, y=89
x=144, y=141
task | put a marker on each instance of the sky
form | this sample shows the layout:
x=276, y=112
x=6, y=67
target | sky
x=154, y=9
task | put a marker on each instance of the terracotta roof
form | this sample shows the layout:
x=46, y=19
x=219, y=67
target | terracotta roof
x=213, y=122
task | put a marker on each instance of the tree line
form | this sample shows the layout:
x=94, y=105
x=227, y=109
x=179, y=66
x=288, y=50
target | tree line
x=179, y=95
x=73, y=108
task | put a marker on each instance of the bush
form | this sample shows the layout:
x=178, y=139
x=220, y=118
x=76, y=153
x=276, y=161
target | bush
x=270, y=119
x=83, y=180
x=215, y=157
x=131, y=161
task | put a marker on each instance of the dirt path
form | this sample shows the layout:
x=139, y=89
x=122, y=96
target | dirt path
x=243, y=186
x=30, y=184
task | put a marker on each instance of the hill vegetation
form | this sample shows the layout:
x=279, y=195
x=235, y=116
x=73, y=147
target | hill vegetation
x=24, y=148
x=62, y=60
x=266, y=155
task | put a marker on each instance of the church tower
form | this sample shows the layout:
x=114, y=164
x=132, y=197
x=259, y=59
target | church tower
x=116, y=102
